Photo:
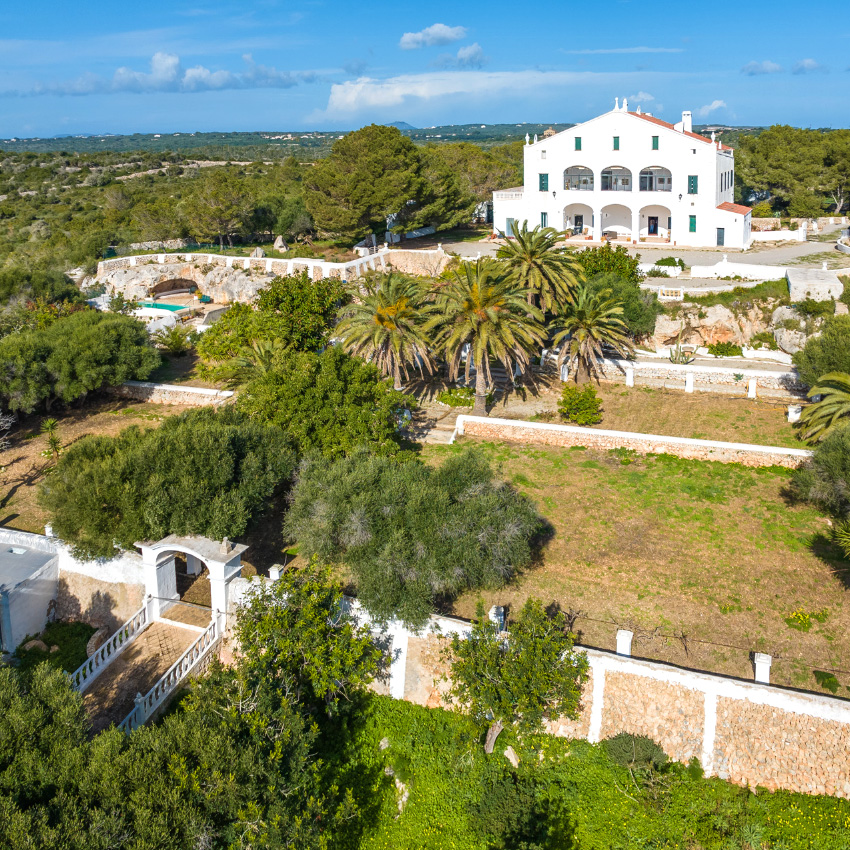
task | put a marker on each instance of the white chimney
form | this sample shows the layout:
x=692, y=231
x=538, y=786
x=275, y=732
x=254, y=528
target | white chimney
x=687, y=123
x=625, y=104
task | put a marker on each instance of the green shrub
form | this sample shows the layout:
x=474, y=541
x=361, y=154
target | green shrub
x=764, y=339
x=815, y=309
x=827, y=352
x=844, y=298
x=745, y=297
x=71, y=638
x=725, y=349
x=825, y=479
x=762, y=210
x=635, y=751
x=640, y=307
x=657, y=273
x=460, y=397
x=671, y=261
x=580, y=405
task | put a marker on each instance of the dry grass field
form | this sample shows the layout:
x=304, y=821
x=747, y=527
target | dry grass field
x=704, y=561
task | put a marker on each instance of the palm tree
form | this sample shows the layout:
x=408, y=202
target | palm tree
x=548, y=274
x=832, y=411
x=593, y=321
x=253, y=360
x=482, y=306
x=385, y=325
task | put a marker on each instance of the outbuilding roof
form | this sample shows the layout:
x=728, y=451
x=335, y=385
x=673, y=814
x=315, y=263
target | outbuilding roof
x=734, y=208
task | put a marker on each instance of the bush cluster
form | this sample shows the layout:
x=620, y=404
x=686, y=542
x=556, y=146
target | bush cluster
x=725, y=349
x=580, y=405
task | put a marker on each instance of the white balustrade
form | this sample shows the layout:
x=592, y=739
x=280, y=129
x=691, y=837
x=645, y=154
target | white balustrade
x=190, y=662
x=93, y=666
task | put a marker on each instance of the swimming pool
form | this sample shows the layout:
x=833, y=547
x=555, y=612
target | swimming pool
x=159, y=305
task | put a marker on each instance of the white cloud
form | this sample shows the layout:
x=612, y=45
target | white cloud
x=754, y=69
x=807, y=66
x=430, y=36
x=469, y=56
x=705, y=111
x=641, y=97
x=607, y=51
x=167, y=74
x=368, y=95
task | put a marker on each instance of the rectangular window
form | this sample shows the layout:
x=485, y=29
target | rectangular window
x=544, y=182
x=542, y=154
x=693, y=184
x=578, y=143
x=692, y=224
x=616, y=143
x=655, y=143
x=544, y=219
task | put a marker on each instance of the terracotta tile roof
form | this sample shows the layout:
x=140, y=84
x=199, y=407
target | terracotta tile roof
x=735, y=208
x=669, y=126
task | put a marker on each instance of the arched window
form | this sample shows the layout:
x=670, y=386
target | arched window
x=578, y=179
x=656, y=179
x=616, y=179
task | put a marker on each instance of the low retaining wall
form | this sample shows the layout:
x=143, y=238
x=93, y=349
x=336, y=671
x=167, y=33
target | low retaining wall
x=746, y=270
x=690, y=377
x=518, y=431
x=171, y=393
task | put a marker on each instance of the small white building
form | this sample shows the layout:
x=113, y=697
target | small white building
x=629, y=177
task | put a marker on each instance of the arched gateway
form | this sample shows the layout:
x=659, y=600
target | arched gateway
x=223, y=560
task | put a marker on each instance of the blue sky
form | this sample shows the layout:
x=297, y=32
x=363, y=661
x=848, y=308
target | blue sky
x=181, y=66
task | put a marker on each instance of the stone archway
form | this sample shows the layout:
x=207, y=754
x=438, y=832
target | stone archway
x=222, y=560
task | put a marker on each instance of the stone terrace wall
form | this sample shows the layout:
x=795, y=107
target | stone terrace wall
x=518, y=431
x=171, y=394
x=746, y=732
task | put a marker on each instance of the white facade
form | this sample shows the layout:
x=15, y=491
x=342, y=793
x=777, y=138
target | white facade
x=629, y=177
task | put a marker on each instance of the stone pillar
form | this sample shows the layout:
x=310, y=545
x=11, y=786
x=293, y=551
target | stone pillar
x=597, y=226
x=794, y=413
x=565, y=372
x=275, y=572
x=132, y=261
x=160, y=581
x=761, y=663
x=398, y=665
x=689, y=382
x=635, y=226
x=751, y=387
x=624, y=642
x=630, y=376
x=497, y=616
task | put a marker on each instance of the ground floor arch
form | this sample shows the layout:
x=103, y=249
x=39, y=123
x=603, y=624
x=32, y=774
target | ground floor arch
x=175, y=284
x=617, y=222
x=222, y=560
x=578, y=219
x=655, y=223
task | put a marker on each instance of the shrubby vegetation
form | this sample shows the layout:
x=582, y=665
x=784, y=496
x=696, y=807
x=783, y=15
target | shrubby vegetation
x=581, y=406
x=207, y=472
x=412, y=535
x=827, y=352
x=825, y=479
x=640, y=307
x=71, y=357
x=292, y=311
x=331, y=403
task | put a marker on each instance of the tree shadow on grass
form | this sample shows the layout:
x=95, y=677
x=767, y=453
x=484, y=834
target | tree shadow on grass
x=827, y=551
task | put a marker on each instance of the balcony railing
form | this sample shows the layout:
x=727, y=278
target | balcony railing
x=508, y=195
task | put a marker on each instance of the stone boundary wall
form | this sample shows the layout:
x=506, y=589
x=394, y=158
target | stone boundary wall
x=747, y=732
x=518, y=431
x=690, y=377
x=843, y=247
x=407, y=260
x=746, y=270
x=171, y=394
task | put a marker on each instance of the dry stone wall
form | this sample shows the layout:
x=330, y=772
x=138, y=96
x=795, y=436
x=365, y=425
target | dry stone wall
x=541, y=433
x=747, y=732
x=171, y=394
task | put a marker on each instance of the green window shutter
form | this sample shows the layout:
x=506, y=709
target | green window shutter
x=692, y=224
x=578, y=143
x=616, y=143
x=544, y=219
x=655, y=143
x=544, y=182
x=693, y=184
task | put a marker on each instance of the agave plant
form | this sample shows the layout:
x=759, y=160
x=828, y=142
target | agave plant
x=823, y=417
x=679, y=355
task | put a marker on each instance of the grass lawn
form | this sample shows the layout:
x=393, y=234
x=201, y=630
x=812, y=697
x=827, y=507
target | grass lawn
x=673, y=413
x=704, y=561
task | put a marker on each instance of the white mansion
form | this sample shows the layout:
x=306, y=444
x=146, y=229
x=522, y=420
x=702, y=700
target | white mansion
x=628, y=176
